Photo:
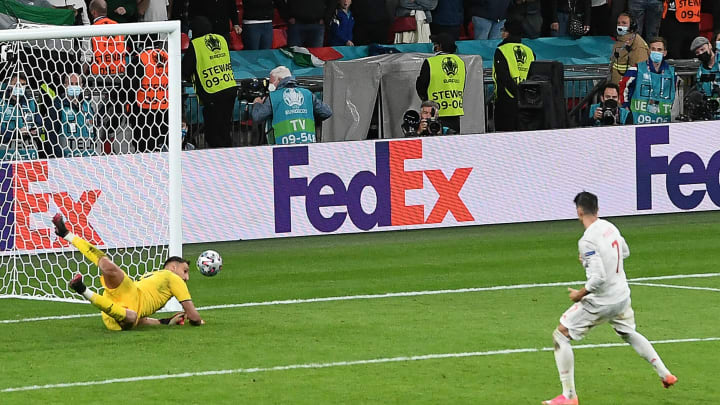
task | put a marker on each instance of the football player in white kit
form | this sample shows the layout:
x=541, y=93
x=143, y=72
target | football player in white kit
x=604, y=298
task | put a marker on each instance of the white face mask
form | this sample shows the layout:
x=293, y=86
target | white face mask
x=74, y=91
x=622, y=30
x=18, y=90
x=271, y=87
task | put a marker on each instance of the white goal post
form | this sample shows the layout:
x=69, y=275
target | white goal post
x=100, y=145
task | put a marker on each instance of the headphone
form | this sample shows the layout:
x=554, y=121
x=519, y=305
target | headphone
x=633, y=24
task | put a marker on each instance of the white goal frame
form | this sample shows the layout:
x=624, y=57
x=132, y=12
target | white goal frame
x=172, y=29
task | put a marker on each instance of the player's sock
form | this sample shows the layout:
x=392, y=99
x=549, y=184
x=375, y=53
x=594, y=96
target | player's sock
x=86, y=248
x=105, y=304
x=565, y=361
x=643, y=347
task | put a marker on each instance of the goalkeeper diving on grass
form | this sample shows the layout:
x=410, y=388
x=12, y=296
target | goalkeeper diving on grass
x=126, y=303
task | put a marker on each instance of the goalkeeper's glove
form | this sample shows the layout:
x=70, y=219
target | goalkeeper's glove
x=60, y=228
x=177, y=319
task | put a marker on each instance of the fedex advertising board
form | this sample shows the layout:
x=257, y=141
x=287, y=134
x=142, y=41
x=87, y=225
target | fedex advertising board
x=111, y=201
x=267, y=192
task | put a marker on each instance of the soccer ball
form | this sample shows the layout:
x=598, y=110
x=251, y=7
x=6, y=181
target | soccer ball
x=209, y=263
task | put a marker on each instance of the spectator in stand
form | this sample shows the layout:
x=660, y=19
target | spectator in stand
x=80, y=7
x=648, y=14
x=561, y=15
x=511, y=64
x=257, y=32
x=649, y=88
x=600, y=20
x=306, y=21
x=179, y=10
x=372, y=22
x=680, y=25
x=341, y=25
x=122, y=11
x=220, y=13
x=629, y=49
x=406, y=7
x=448, y=17
x=19, y=113
x=488, y=17
x=529, y=14
x=152, y=10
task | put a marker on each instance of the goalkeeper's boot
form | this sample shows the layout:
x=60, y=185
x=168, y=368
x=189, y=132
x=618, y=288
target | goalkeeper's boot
x=669, y=381
x=77, y=284
x=561, y=400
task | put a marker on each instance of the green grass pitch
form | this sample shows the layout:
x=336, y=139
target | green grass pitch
x=359, y=351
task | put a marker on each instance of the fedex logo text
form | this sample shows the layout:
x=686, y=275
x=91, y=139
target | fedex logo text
x=389, y=181
x=699, y=174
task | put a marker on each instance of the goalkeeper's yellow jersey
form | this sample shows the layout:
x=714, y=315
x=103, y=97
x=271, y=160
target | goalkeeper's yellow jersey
x=157, y=287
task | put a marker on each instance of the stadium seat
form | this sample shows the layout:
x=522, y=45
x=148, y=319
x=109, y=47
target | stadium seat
x=706, y=26
x=279, y=38
x=184, y=42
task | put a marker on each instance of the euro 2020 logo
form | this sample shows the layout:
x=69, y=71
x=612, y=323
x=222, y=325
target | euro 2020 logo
x=292, y=97
x=449, y=66
x=520, y=55
x=212, y=43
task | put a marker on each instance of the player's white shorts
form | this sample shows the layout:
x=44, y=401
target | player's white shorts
x=583, y=316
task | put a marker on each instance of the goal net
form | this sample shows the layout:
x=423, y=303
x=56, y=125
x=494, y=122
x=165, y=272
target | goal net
x=90, y=123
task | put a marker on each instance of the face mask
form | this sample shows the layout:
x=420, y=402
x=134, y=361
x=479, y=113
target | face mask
x=704, y=57
x=271, y=87
x=74, y=91
x=184, y=132
x=18, y=90
x=622, y=30
x=656, y=56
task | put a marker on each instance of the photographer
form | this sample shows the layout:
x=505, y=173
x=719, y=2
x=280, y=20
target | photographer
x=708, y=74
x=608, y=110
x=293, y=109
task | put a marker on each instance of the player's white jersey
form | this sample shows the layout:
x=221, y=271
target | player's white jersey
x=602, y=250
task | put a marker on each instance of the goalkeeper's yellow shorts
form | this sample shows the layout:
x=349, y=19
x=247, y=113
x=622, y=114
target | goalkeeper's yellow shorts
x=127, y=295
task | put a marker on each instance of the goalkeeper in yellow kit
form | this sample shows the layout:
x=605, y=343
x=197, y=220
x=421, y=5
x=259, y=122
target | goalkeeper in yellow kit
x=126, y=303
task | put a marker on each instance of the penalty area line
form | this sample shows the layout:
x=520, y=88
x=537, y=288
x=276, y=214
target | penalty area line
x=682, y=287
x=384, y=295
x=333, y=364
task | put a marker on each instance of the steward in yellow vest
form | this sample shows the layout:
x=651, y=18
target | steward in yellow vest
x=442, y=79
x=511, y=65
x=207, y=64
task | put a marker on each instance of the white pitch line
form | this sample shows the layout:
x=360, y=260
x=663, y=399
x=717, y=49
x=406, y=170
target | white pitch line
x=683, y=287
x=376, y=296
x=334, y=364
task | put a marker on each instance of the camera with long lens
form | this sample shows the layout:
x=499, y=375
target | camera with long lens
x=433, y=126
x=411, y=121
x=250, y=89
x=699, y=107
x=609, y=109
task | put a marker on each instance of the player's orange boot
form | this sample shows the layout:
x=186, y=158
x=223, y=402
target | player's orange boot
x=561, y=400
x=669, y=381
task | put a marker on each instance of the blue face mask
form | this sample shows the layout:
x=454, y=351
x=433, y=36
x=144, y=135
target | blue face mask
x=656, y=56
x=74, y=91
x=184, y=133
